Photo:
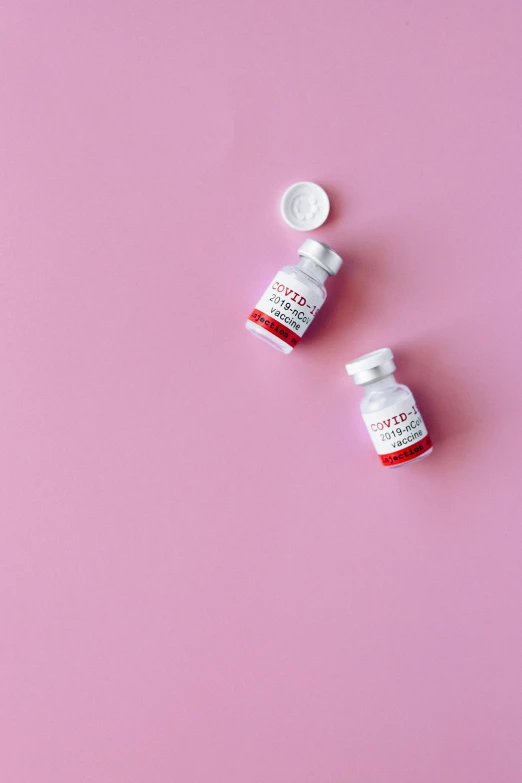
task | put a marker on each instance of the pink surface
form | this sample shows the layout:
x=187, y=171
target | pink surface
x=205, y=574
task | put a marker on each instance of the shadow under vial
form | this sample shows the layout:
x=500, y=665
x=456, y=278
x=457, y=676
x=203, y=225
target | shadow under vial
x=354, y=293
x=447, y=407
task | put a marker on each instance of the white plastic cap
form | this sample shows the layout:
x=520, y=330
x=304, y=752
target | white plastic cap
x=372, y=366
x=305, y=206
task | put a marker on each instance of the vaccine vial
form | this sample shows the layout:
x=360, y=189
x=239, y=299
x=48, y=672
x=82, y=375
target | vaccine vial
x=390, y=413
x=294, y=297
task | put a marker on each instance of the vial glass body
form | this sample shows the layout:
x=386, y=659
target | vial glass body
x=289, y=305
x=394, y=423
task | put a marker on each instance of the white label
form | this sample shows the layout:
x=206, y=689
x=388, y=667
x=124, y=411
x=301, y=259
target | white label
x=287, y=308
x=398, y=432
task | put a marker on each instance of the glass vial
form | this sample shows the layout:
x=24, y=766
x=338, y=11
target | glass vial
x=390, y=413
x=294, y=297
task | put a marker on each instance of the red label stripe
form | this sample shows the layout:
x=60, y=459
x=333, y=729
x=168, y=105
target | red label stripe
x=407, y=453
x=275, y=327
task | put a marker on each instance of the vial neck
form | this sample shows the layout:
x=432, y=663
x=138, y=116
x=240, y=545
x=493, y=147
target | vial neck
x=381, y=385
x=312, y=269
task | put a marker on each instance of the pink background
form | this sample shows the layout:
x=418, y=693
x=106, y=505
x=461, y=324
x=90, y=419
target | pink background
x=206, y=576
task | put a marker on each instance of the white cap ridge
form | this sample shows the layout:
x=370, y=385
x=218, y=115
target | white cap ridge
x=371, y=367
x=305, y=206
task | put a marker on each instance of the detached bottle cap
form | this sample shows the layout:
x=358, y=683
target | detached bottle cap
x=322, y=254
x=372, y=366
x=305, y=206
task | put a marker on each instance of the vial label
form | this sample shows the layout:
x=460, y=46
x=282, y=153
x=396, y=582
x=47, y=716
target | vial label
x=287, y=308
x=398, y=432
